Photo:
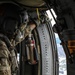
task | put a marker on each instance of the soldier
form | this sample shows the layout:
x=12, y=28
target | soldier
x=8, y=60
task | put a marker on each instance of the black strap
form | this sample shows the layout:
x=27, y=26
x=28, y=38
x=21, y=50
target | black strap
x=7, y=41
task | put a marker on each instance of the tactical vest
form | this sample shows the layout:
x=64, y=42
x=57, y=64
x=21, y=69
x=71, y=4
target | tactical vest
x=8, y=61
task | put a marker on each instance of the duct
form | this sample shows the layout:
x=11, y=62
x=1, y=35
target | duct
x=32, y=3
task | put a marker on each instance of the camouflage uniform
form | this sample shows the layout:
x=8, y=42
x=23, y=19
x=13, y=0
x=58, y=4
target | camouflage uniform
x=8, y=61
x=5, y=66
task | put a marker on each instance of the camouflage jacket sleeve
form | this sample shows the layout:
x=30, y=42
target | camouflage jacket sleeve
x=8, y=60
x=25, y=32
x=5, y=65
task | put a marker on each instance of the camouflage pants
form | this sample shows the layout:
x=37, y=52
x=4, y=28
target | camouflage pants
x=5, y=67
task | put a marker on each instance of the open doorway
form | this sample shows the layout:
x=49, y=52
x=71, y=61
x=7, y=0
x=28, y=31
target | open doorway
x=61, y=53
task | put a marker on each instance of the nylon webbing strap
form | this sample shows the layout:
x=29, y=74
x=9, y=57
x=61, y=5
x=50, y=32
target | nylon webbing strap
x=38, y=13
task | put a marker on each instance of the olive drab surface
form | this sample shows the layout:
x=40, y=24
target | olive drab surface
x=8, y=64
